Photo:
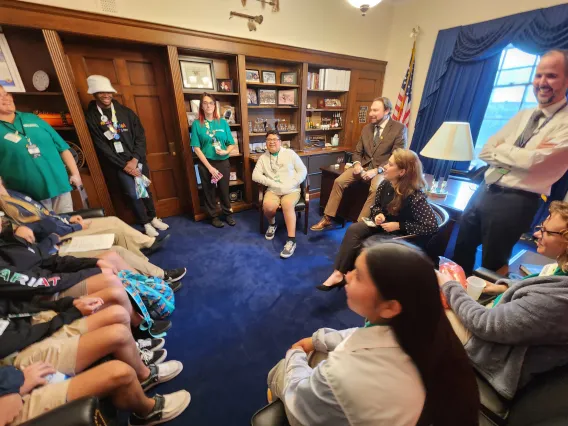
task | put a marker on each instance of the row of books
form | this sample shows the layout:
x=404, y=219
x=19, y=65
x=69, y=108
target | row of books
x=329, y=79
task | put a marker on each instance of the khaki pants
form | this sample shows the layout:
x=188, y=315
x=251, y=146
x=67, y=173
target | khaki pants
x=343, y=181
x=124, y=235
x=138, y=263
x=463, y=333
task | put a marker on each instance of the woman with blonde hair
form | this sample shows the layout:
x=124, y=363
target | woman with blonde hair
x=400, y=208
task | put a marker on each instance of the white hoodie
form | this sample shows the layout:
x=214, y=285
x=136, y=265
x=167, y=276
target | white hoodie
x=282, y=174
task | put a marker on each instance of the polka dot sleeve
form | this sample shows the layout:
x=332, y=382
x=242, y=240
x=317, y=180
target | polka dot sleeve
x=423, y=219
x=377, y=208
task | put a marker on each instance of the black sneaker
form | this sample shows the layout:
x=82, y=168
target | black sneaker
x=150, y=344
x=173, y=275
x=175, y=286
x=216, y=222
x=161, y=373
x=166, y=408
x=158, y=244
x=230, y=220
x=269, y=235
x=159, y=327
x=153, y=357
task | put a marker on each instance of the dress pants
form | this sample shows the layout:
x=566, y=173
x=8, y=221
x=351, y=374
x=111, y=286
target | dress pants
x=143, y=208
x=343, y=181
x=495, y=218
x=209, y=189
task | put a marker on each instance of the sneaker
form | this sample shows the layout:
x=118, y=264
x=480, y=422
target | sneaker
x=150, y=344
x=150, y=230
x=158, y=328
x=230, y=220
x=175, y=286
x=173, y=275
x=270, y=232
x=158, y=224
x=216, y=222
x=157, y=245
x=153, y=357
x=161, y=373
x=288, y=249
x=167, y=407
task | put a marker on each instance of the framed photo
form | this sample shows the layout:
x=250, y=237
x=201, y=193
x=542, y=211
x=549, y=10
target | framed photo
x=253, y=76
x=269, y=77
x=191, y=117
x=252, y=96
x=288, y=97
x=225, y=85
x=197, y=73
x=9, y=75
x=289, y=78
x=228, y=113
x=332, y=103
x=194, y=105
x=267, y=96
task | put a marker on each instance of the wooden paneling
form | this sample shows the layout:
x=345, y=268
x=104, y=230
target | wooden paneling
x=245, y=118
x=70, y=92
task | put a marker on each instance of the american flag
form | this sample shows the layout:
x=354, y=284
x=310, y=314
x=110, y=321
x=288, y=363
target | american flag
x=404, y=101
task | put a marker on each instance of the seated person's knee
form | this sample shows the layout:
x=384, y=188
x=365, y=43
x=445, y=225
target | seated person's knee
x=118, y=315
x=120, y=373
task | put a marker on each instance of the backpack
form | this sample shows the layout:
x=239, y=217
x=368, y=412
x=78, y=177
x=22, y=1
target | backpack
x=156, y=295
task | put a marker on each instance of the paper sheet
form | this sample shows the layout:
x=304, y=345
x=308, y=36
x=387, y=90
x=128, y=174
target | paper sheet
x=87, y=243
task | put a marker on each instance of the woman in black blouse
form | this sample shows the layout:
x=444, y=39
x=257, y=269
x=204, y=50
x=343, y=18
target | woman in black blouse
x=400, y=208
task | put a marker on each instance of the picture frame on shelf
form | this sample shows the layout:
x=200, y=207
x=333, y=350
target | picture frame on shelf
x=315, y=142
x=194, y=105
x=191, y=117
x=9, y=76
x=197, y=73
x=267, y=97
x=225, y=85
x=332, y=103
x=289, y=78
x=253, y=76
x=269, y=77
x=228, y=113
x=252, y=96
x=288, y=97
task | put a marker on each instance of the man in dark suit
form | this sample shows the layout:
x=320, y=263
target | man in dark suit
x=378, y=140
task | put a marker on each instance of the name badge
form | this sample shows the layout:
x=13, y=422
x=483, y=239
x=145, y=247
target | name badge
x=31, y=125
x=3, y=326
x=118, y=147
x=33, y=150
x=109, y=135
x=13, y=137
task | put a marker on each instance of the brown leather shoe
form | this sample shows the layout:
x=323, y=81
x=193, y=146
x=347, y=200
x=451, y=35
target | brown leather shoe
x=323, y=224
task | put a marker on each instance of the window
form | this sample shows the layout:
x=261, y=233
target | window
x=512, y=92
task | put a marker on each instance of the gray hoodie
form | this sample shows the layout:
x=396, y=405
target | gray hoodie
x=282, y=173
x=525, y=334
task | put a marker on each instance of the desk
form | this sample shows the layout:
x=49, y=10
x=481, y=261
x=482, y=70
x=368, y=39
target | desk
x=459, y=193
x=524, y=256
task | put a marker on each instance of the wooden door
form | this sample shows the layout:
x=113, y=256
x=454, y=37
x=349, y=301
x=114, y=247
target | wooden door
x=364, y=87
x=139, y=76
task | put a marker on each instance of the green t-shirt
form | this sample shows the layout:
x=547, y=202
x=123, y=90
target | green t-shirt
x=42, y=177
x=201, y=137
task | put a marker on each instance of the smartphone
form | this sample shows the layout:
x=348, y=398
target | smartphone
x=369, y=222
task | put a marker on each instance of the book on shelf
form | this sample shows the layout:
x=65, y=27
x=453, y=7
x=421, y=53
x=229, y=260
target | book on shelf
x=329, y=79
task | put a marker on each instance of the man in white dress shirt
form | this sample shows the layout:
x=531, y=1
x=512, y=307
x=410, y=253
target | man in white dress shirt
x=527, y=156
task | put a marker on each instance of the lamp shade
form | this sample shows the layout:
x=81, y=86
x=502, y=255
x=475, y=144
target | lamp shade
x=359, y=3
x=451, y=142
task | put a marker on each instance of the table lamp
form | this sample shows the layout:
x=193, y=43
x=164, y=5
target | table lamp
x=451, y=142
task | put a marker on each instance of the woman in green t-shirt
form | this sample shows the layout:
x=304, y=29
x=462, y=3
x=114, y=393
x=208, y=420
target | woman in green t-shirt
x=212, y=142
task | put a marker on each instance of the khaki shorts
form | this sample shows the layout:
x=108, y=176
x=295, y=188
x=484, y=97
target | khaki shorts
x=271, y=197
x=41, y=400
x=59, y=350
x=78, y=290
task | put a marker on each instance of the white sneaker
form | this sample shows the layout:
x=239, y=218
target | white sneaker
x=158, y=224
x=161, y=373
x=167, y=407
x=150, y=230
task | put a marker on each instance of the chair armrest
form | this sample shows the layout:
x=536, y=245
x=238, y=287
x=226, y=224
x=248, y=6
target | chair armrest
x=273, y=414
x=305, y=188
x=488, y=275
x=82, y=412
x=89, y=213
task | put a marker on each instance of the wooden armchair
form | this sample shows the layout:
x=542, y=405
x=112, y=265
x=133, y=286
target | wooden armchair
x=302, y=206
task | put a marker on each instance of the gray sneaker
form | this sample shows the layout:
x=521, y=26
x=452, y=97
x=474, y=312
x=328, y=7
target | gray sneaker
x=270, y=232
x=288, y=249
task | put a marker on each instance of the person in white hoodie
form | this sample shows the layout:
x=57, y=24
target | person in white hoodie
x=282, y=171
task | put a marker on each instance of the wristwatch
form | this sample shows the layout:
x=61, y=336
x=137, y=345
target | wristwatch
x=380, y=170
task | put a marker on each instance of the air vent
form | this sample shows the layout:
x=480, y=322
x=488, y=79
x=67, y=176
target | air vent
x=108, y=6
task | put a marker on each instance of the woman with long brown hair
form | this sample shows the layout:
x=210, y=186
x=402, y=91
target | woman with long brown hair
x=212, y=142
x=400, y=208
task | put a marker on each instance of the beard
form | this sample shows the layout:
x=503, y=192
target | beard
x=547, y=100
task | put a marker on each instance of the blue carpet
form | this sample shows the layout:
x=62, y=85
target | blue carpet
x=241, y=308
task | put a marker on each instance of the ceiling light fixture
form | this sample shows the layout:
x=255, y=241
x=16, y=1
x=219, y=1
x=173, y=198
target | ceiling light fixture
x=364, y=5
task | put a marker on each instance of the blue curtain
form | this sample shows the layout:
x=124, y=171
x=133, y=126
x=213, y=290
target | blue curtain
x=465, y=62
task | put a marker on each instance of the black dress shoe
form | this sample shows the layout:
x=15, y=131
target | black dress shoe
x=158, y=244
x=230, y=221
x=338, y=285
x=216, y=222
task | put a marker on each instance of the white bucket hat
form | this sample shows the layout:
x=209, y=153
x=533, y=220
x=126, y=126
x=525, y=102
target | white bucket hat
x=99, y=83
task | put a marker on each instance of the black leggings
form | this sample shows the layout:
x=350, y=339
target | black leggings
x=209, y=189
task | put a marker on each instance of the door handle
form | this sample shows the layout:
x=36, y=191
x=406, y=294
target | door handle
x=172, y=147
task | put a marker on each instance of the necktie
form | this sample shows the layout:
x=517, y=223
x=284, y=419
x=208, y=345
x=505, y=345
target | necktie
x=376, y=135
x=531, y=126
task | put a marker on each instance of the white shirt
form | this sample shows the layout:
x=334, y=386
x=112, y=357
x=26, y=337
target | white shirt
x=381, y=127
x=530, y=169
x=282, y=174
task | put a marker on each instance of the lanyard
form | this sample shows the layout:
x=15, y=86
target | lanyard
x=112, y=118
x=13, y=128
x=545, y=123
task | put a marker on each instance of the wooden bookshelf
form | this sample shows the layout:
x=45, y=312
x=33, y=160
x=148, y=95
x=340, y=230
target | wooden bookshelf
x=325, y=110
x=200, y=92
x=272, y=107
x=334, y=129
x=17, y=94
x=281, y=86
x=327, y=91
x=280, y=133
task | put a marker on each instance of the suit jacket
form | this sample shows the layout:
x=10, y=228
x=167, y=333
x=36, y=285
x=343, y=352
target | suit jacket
x=394, y=136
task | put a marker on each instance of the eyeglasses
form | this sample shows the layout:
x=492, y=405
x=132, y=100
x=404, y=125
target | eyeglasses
x=208, y=103
x=541, y=228
x=272, y=140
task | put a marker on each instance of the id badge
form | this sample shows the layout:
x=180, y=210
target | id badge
x=3, y=325
x=109, y=135
x=503, y=171
x=33, y=150
x=118, y=147
x=13, y=137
